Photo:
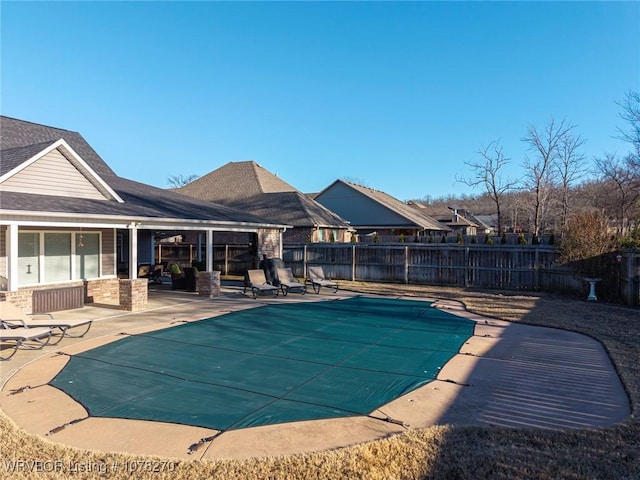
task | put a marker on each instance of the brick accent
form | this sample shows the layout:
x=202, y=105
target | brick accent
x=269, y=243
x=134, y=294
x=102, y=291
x=20, y=298
x=208, y=284
x=23, y=297
x=298, y=235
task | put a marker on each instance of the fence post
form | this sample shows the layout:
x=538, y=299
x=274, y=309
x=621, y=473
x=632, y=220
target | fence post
x=304, y=261
x=353, y=263
x=630, y=289
x=406, y=265
x=467, y=267
x=536, y=270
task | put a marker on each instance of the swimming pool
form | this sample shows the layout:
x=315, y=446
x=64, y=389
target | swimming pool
x=271, y=364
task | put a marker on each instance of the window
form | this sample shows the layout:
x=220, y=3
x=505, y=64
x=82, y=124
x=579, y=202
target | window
x=28, y=258
x=57, y=257
x=87, y=258
x=49, y=257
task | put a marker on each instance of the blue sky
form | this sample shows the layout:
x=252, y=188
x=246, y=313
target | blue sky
x=397, y=96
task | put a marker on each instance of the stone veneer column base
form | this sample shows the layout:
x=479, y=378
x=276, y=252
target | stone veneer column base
x=208, y=284
x=134, y=294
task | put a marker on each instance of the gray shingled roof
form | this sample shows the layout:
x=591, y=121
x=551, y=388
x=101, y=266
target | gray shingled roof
x=140, y=200
x=12, y=157
x=410, y=213
x=235, y=181
x=291, y=208
x=16, y=133
x=250, y=187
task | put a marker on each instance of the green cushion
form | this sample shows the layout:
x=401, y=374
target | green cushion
x=175, y=269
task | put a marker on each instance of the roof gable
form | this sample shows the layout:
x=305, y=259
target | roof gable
x=364, y=206
x=54, y=169
x=16, y=133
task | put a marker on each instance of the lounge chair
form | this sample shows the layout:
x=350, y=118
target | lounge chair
x=18, y=336
x=315, y=276
x=257, y=282
x=13, y=317
x=288, y=282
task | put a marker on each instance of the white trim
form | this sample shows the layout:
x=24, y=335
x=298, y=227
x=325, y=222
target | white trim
x=122, y=221
x=76, y=158
x=12, y=257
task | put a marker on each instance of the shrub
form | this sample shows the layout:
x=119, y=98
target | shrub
x=589, y=251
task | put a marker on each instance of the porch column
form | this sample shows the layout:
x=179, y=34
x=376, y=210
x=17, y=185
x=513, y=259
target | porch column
x=12, y=257
x=209, y=251
x=153, y=249
x=280, y=248
x=133, y=250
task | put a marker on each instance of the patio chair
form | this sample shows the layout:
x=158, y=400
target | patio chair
x=257, y=282
x=13, y=317
x=288, y=282
x=17, y=337
x=183, y=278
x=315, y=276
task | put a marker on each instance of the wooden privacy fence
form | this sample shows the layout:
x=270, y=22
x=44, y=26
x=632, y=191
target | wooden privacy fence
x=510, y=267
x=439, y=264
x=484, y=266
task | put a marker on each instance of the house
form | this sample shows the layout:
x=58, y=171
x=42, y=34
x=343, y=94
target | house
x=458, y=222
x=375, y=213
x=69, y=225
x=250, y=187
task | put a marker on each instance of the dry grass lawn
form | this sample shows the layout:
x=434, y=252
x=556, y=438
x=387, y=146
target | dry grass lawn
x=432, y=453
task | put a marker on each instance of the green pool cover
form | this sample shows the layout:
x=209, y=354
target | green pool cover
x=271, y=364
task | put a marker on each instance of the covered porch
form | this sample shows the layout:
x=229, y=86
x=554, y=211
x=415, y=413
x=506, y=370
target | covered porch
x=54, y=265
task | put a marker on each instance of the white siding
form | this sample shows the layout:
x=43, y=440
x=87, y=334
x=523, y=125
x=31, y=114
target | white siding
x=52, y=174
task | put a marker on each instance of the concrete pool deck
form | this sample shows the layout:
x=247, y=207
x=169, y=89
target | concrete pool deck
x=507, y=374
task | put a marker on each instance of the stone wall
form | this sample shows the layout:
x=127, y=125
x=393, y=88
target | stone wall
x=269, y=243
x=208, y=284
x=102, y=291
x=134, y=294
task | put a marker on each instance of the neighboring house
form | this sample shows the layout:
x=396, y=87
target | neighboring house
x=67, y=221
x=373, y=212
x=487, y=224
x=459, y=220
x=251, y=188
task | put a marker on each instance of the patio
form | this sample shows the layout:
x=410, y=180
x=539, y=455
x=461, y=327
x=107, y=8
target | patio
x=507, y=374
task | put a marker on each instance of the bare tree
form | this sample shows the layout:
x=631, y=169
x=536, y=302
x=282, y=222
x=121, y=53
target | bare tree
x=487, y=173
x=625, y=189
x=631, y=114
x=545, y=145
x=177, y=181
x=570, y=169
